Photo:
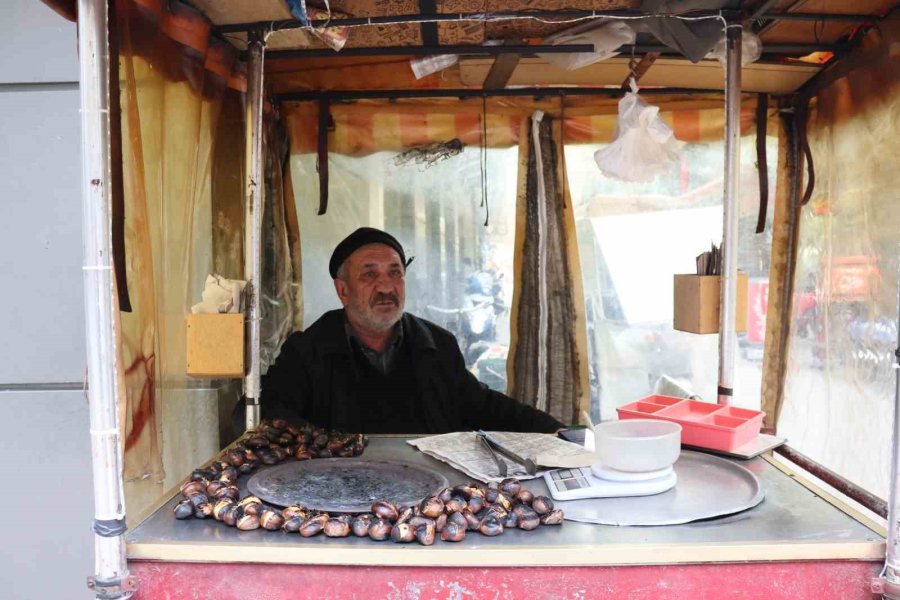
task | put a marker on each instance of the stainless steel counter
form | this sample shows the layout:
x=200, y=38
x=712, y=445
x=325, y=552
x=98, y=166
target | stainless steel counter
x=792, y=523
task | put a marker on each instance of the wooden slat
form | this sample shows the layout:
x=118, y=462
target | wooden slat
x=758, y=77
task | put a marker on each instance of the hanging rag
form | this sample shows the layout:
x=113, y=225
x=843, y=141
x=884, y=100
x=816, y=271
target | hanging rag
x=693, y=39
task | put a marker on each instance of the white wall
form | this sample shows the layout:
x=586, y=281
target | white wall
x=46, y=549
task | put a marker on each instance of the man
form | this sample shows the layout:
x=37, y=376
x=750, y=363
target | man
x=372, y=368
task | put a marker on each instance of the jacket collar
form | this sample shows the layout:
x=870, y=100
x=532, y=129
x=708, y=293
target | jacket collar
x=333, y=340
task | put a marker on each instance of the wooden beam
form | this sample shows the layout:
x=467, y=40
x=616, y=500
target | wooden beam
x=502, y=69
x=428, y=30
x=640, y=69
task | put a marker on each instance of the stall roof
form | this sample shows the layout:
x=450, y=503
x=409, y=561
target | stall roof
x=799, y=37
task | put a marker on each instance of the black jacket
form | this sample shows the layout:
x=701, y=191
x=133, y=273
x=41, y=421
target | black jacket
x=314, y=379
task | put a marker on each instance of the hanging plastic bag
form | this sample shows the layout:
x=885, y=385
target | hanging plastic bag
x=606, y=38
x=644, y=145
x=751, y=49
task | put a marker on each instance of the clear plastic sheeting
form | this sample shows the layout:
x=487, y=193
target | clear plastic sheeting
x=461, y=277
x=277, y=301
x=839, y=392
x=632, y=238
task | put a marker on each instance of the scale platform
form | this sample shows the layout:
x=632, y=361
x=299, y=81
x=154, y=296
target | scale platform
x=602, y=482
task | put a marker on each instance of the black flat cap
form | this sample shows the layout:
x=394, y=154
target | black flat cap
x=358, y=239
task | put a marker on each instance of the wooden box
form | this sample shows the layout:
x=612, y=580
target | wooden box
x=697, y=303
x=215, y=345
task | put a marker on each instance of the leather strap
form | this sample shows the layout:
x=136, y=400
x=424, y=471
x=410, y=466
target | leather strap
x=802, y=118
x=324, y=121
x=762, y=165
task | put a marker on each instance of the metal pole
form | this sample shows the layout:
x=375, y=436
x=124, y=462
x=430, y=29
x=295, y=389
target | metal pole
x=728, y=294
x=253, y=222
x=889, y=583
x=111, y=579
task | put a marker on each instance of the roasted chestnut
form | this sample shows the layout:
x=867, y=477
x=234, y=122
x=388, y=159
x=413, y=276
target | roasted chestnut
x=246, y=468
x=459, y=518
x=360, y=524
x=490, y=495
x=472, y=521
x=189, y=488
x=554, y=517
x=490, y=526
x=510, y=486
x=201, y=511
x=337, y=526
x=236, y=458
x=251, y=505
x=526, y=517
x=294, y=510
x=455, y=504
x=229, y=474
x=280, y=424
x=247, y=522
x=444, y=495
x=270, y=519
x=280, y=453
x=402, y=533
x=228, y=491
x=221, y=506
x=313, y=525
x=292, y=524
x=380, y=529
x=524, y=497
x=267, y=457
x=302, y=453
x=231, y=514
x=385, y=510
x=320, y=440
x=431, y=507
x=256, y=442
x=504, y=500
x=198, y=499
x=542, y=505
x=214, y=486
x=184, y=510
x=511, y=521
x=453, y=532
x=440, y=522
x=476, y=503
x=425, y=533
x=405, y=514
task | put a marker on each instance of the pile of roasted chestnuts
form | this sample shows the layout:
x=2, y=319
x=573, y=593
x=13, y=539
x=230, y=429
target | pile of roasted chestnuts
x=487, y=509
x=268, y=444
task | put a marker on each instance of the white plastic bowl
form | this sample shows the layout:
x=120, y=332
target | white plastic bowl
x=637, y=445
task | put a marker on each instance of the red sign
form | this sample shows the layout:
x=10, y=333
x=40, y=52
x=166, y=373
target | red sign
x=757, y=307
x=853, y=278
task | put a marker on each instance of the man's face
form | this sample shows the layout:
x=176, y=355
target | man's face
x=373, y=289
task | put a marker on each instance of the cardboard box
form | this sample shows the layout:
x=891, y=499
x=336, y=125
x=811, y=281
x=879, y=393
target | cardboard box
x=215, y=345
x=697, y=303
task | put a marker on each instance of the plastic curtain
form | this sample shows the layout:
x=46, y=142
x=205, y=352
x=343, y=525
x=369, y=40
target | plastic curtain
x=839, y=386
x=633, y=237
x=174, y=81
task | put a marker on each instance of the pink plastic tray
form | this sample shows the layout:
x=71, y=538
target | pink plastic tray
x=704, y=424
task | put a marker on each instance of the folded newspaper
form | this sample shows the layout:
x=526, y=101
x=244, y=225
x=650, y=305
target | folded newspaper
x=464, y=452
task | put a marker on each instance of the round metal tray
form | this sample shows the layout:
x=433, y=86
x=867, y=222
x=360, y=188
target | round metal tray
x=708, y=487
x=347, y=485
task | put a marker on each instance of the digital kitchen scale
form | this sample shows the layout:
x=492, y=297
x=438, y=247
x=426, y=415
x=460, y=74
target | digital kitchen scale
x=602, y=482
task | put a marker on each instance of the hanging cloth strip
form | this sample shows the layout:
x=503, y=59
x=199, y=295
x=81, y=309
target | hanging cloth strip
x=541, y=402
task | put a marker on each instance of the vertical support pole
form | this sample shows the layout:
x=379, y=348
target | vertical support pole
x=111, y=579
x=728, y=294
x=255, y=188
x=888, y=585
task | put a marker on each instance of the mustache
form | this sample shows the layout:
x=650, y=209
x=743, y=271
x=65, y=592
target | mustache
x=384, y=297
